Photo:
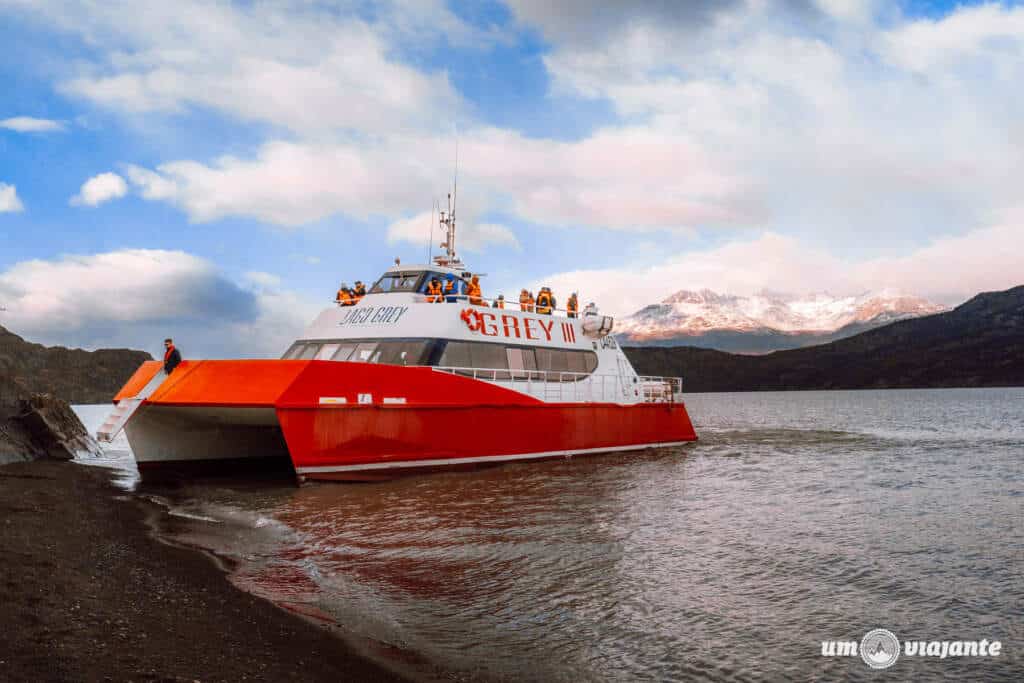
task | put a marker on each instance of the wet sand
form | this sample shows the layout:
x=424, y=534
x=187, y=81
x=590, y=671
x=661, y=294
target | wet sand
x=88, y=594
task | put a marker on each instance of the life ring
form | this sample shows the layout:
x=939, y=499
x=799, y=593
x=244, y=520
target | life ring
x=474, y=319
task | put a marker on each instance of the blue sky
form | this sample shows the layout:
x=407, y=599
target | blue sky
x=215, y=169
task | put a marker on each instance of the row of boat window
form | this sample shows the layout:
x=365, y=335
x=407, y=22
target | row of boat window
x=517, y=362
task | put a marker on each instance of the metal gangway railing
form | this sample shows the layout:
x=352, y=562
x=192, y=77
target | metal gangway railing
x=561, y=386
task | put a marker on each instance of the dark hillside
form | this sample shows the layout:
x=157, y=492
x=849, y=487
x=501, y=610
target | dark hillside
x=977, y=344
x=74, y=375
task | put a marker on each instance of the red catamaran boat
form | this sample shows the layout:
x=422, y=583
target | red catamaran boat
x=398, y=383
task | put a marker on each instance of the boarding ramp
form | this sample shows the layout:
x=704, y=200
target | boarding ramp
x=125, y=408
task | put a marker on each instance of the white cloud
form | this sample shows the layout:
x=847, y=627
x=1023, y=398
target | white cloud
x=990, y=34
x=28, y=124
x=306, y=67
x=948, y=270
x=136, y=297
x=620, y=178
x=472, y=235
x=834, y=118
x=9, y=202
x=831, y=126
x=100, y=188
x=263, y=280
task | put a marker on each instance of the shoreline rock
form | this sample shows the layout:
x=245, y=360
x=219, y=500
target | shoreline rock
x=34, y=426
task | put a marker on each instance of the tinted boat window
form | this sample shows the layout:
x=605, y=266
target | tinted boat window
x=326, y=352
x=293, y=352
x=400, y=352
x=456, y=355
x=397, y=282
x=364, y=352
x=344, y=352
x=308, y=351
x=490, y=357
x=577, y=361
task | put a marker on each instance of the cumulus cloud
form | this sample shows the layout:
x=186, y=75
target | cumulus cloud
x=472, y=235
x=296, y=65
x=860, y=126
x=100, y=188
x=9, y=202
x=835, y=118
x=948, y=270
x=620, y=178
x=28, y=124
x=576, y=23
x=136, y=297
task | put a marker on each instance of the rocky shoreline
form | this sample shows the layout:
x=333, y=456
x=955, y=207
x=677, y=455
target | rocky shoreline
x=89, y=594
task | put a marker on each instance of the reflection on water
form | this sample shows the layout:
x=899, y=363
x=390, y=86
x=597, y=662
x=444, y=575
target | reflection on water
x=797, y=518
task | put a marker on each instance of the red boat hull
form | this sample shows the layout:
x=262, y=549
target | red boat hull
x=340, y=442
x=357, y=420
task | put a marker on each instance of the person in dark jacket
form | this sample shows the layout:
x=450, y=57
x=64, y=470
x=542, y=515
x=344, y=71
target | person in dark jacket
x=171, y=356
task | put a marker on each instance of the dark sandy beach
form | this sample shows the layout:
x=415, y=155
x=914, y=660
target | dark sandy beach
x=87, y=594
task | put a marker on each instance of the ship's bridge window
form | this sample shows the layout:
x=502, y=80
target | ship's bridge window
x=399, y=282
x=301, y=351
x=386, y=351
x=506, y=362
x=519, y=362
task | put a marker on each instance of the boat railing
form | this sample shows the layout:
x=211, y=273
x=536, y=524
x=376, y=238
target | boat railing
x=508, y=304
x=487, y=303
x=563, y=386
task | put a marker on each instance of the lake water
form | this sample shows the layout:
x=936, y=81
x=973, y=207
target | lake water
x=798, y=517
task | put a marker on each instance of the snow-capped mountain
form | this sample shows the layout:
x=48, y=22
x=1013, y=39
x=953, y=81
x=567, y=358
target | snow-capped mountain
x=767, y=321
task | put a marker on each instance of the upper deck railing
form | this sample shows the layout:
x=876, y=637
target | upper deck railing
x=556, y=385
x=509, y=304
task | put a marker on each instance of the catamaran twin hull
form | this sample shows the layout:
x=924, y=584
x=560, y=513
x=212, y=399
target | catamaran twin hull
x=351, y=421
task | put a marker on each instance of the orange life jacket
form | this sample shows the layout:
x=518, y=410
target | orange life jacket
x=433, y=292
x=345, y=298
x=524, y=301
x=544, y=303
x=474, y=294
x=499, y=303
x=359, y=292
x=572, y=306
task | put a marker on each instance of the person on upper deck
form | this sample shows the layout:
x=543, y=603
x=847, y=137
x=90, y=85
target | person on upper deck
x=591, y=309
x=545, y=302
x=572, y=305
x=171, y=356
x=524, y=301
x=434, y=291
x=344, y=297
x=359, y=292
x=451, y=290
x=500, y=301
x=476, y=297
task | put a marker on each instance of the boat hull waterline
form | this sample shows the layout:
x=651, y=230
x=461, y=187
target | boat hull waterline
x=357, y=421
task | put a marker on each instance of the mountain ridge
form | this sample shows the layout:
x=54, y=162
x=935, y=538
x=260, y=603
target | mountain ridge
x=980, y=343
x=767, y=321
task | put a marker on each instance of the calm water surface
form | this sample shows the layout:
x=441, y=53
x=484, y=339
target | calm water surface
x=797, y=518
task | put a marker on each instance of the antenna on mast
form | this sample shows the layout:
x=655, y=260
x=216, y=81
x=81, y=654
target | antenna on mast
x=447, y=221
x=430, y=242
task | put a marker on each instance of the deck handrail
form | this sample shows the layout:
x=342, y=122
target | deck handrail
x=510, y=304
